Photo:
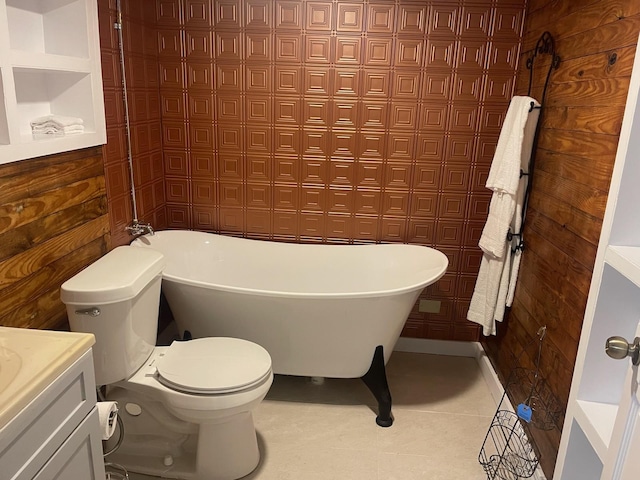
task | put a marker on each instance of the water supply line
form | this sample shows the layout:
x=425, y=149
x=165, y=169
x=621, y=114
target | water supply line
x=136, y=228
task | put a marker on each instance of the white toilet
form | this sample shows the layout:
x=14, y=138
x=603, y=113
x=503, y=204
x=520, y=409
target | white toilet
x=186, y=408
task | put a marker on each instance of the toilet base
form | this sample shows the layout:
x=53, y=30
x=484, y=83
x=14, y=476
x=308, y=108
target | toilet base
x=228, y=450
x=158, y=443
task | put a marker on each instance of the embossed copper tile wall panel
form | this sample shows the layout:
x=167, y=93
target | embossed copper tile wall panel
x=349, y=122
x=318, y=121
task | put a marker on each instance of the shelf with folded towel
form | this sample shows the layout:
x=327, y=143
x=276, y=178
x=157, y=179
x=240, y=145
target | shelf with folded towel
x=50, y=65
x=44, y=92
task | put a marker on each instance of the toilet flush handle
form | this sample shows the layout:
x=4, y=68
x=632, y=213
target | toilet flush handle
x=92, y=312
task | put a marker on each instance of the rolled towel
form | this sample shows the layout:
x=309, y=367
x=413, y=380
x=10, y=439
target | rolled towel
x=59, y=121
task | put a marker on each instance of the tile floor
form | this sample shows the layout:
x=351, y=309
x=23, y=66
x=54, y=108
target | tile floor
x=442, y=409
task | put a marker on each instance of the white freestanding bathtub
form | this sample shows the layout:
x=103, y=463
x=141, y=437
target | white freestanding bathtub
x=319, y=310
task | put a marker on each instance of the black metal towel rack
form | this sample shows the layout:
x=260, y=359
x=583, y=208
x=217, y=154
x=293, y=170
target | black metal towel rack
x=545, y=45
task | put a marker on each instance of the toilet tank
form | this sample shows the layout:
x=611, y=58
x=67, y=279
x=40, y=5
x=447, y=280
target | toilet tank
x=117, y=299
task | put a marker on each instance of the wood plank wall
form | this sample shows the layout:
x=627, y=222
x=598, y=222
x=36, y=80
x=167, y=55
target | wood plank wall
x=53, y=222
x=580, y=127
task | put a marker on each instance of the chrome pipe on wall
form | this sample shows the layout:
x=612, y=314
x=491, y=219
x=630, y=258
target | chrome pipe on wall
x=136, y=228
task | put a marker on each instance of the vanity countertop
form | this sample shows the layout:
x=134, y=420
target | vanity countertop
x=30, y=360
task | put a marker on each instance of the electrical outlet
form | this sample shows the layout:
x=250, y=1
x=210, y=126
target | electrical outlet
x=429, y=306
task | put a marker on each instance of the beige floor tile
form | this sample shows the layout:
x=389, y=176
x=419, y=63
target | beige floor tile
x=438, y=394
x=306, y=463
x=394, y=466
x=434, y=383
x=448, y=437
x=317, y=426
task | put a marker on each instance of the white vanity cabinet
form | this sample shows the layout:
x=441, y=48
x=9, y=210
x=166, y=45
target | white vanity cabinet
x=49, y=64
x=49, y=427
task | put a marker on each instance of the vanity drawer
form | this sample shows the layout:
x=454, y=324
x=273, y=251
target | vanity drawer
x=29, y=440
x=80, y=457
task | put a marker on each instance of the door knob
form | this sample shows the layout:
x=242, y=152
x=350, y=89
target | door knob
x=619, y=348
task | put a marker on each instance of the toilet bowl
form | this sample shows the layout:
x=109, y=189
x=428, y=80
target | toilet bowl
x=219, y=404
x=186, y=408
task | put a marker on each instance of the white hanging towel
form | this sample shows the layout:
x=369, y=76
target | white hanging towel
x=499, y=268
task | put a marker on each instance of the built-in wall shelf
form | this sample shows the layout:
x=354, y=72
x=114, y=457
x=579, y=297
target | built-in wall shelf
x=601, y=435
x=625, y=260
x=49, y=64
x=596, y=420
x=44, y=61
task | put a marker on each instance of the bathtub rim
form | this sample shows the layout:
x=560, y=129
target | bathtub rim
x=146, y=241
x=302, y=295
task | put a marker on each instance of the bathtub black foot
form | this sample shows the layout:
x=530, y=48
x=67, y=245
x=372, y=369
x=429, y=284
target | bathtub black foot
x=376, y=380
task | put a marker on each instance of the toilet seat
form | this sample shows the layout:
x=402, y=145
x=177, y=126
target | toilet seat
x=213, y=366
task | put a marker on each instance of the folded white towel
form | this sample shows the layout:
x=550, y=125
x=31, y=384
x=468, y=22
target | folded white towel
x=49, y=126
x=59, y=121
x=49, y=129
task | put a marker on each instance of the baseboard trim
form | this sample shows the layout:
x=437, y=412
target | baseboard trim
x=437, y=347
x=491, y=378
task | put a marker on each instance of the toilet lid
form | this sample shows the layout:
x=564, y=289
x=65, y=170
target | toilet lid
x=213, y=365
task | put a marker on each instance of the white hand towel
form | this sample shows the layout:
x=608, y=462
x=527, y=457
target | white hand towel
x=504, y=174
x=59, y=121
x=483, y=302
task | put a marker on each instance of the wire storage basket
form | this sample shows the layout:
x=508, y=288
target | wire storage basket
x=529, y=387
x=508, y=452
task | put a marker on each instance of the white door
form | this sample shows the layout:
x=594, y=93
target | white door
x=623, y=460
